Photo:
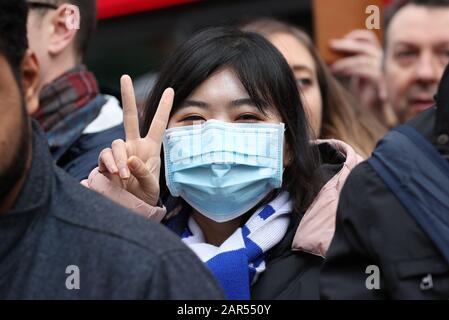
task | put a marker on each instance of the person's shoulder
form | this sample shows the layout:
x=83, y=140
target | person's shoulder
x=102, y=138
x=364, y=182
x=363, y=191
x=362, y=172
x=365, y=196
x=361, y=179
x=83, y=155
x=78, y=208
x=424, y=123
x=368, y=205
x=136, y=257
x=107, y=127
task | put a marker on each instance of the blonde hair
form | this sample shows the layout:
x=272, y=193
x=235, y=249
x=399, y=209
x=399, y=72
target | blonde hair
x=343, y=119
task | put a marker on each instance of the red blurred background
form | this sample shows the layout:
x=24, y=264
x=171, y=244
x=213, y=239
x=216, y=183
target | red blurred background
x=135, y=36
x=113, y=8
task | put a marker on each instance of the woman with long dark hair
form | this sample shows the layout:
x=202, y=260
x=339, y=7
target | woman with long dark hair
x=241, y=182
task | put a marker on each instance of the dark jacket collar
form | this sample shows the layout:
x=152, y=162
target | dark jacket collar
x=33, y=203
x=38, y=183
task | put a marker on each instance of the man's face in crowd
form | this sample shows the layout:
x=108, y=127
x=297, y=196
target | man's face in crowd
x=17, y=97
x=417, y=51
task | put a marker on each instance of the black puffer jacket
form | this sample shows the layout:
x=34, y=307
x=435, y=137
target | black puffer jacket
x=373, y=228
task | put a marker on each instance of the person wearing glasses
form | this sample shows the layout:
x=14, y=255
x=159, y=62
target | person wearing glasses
x=78, y=120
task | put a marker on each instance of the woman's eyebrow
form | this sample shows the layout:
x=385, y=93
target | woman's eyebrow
x=301, y=67
x=203, y=105
x=193, y=103
x=242, y=102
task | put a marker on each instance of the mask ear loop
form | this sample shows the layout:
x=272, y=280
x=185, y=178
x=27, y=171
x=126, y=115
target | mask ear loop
x=290, y=157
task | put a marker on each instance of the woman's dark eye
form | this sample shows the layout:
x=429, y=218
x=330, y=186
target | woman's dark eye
x=249, y=118
x=193, y=118
x=304, y=82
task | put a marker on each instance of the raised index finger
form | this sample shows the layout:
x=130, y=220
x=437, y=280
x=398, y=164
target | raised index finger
x=130, y=115
x=160, y=120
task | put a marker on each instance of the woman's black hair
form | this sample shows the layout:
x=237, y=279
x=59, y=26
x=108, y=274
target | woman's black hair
x=267, y=78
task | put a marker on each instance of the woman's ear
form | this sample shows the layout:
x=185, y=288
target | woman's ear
x=30, y=81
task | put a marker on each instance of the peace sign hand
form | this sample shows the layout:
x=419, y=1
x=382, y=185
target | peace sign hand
x=135, y=163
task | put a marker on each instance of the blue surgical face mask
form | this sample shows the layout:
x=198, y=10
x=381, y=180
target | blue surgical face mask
x=224, y=169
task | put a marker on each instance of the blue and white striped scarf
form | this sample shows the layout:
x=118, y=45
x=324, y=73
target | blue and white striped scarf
x=239, y=261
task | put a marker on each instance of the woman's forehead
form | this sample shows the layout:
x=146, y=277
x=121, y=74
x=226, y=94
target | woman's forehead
x=222, y=84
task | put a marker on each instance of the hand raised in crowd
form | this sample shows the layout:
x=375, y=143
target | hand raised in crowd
x=364, y=56
x=136, y=162
x=363, y=68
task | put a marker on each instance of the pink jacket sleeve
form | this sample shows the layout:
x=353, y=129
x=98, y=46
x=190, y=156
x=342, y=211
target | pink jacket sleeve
x=317, y=227
x=104, y=186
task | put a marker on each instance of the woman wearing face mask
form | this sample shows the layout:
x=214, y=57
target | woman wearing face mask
x=243, y=185
x=332, y=112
